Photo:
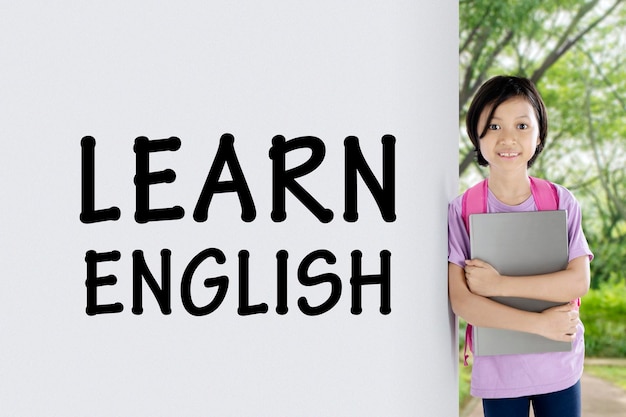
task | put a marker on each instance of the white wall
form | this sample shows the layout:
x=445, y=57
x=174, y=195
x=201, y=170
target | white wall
x=117, y=70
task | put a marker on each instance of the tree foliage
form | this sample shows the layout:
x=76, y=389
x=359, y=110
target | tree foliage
x=573, y=51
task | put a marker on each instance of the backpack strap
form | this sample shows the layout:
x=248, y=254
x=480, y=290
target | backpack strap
x=545, y=194
x=469, y=343
x=474, y=201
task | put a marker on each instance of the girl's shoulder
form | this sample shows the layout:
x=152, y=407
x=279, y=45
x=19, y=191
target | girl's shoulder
x=456, y=201
x=566, y=197
x=455, y=206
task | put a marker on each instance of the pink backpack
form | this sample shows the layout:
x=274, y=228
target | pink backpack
x=474, y=201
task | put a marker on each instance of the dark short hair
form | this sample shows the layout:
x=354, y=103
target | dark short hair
x=493, y=93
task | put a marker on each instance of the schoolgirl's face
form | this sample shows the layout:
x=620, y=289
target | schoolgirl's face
x=512, y=135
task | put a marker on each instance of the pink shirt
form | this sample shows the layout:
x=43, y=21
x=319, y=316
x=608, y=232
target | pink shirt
x=510, y=376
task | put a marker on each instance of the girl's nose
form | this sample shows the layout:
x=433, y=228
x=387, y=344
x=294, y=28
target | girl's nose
x=507, y=136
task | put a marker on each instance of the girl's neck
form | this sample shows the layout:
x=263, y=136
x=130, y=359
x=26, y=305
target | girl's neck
x=512, y=189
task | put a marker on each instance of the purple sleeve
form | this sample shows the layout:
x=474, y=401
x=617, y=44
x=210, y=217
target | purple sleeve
x=578, y=245
x=458, y=239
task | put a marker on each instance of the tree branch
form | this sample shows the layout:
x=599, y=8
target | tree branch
x=564, y=44
x=471, y=84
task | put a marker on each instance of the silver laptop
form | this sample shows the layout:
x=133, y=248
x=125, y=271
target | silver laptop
x=517, y=244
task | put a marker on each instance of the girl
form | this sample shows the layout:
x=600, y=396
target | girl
x=507, y=123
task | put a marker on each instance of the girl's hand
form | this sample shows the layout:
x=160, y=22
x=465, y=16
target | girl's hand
x=482, y=278
x=559, y=323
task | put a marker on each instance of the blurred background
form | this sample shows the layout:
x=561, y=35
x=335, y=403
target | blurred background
x=574, y=51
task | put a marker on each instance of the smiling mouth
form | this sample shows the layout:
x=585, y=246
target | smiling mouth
x=508, y=154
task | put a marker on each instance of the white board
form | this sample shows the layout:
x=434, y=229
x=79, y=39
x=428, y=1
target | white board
x=119, y=70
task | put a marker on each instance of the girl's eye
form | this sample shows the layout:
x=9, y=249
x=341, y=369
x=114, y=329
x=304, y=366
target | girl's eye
x=522, y=126
x=493, y=127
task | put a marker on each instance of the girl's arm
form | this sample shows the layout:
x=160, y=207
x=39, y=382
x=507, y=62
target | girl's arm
x=558, y=323
x=566, y=285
